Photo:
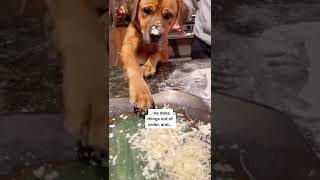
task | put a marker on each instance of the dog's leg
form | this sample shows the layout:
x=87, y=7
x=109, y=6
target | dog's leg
x=149, y=68
x=80, y=39
x=139, y=92
x=76, y=108
x=97, y=128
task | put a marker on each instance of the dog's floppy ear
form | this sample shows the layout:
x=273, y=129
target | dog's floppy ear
x=183, y=13
x=133, y=8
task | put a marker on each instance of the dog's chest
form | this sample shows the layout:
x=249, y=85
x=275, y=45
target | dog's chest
x=144, y=52
x=142, y=59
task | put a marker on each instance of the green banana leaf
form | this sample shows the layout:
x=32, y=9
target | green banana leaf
x=124, y=162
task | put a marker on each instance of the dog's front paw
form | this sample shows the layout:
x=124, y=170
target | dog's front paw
x=140, y=95
x=91, y=155
x=148, y=70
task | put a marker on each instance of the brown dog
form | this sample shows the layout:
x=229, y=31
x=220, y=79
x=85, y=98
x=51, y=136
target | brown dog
x=146, y=42
x=79, y=36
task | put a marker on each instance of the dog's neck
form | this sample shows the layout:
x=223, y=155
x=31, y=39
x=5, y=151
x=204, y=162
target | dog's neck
x=144, y=51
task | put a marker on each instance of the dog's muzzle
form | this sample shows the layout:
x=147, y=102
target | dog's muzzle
x=156, y=34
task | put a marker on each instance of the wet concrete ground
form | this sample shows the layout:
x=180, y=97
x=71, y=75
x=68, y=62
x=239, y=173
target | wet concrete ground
x=28, y=140
x=30, y=78
x=181, y=76
x=243, y=70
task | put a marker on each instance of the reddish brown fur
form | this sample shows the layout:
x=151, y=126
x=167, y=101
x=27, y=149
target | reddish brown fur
x=135, y=51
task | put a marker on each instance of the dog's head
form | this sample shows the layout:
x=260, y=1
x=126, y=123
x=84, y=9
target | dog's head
x=155, y=18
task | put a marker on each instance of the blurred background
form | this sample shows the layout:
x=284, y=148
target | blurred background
x=264, y=53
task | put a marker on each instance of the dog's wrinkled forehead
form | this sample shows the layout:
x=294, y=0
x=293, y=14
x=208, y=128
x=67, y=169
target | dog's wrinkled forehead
x=160, y=4
x=137, y=5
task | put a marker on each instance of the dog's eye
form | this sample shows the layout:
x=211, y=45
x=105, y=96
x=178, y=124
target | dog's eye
x=147, y=11
x=168, y=16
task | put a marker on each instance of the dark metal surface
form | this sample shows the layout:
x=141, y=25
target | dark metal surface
x=271, y=145
x=192, y=105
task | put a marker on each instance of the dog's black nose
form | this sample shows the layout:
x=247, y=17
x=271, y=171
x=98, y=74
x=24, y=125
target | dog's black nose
x=155, y=37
